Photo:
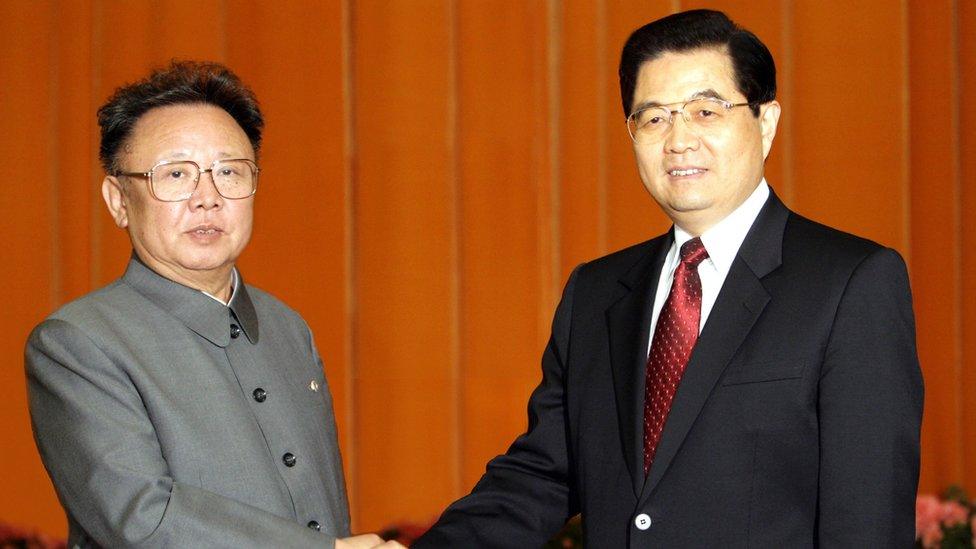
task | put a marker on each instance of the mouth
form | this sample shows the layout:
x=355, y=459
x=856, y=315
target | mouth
x=684, y=172
x=205, y=230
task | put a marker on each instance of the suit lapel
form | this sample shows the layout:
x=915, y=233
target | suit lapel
x=740, y=302
x=628, y=323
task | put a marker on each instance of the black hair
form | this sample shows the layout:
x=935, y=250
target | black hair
x=181, y=83
x=755, y=71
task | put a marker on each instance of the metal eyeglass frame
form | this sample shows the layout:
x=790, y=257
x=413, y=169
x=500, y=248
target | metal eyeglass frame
x=196, y=182
x=727, y=104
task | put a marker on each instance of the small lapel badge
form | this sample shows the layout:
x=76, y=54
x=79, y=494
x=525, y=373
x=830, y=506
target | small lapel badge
x=313, y=386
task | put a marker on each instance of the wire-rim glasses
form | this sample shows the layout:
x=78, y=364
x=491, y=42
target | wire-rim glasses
x=177, y=180
x=702, y=114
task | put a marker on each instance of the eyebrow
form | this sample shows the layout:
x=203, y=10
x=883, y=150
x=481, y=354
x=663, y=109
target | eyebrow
x=708, y=93
x=182, y=155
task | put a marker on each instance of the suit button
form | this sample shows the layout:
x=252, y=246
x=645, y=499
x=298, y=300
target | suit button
x=260, y=394
x=289, y=459
x=314, y=525
x=235, y=331
x=642, y=522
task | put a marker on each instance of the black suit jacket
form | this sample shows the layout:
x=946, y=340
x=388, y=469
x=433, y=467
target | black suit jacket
x=796, y=423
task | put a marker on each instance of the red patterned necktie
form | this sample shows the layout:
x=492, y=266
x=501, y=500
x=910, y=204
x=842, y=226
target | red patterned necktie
x=674, y=338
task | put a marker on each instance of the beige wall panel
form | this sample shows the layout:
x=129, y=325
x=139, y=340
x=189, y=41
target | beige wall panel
x=79, y=172
x=585, y=82
x=503, y=178
x=28, y=222
x=850, y=119
x=965, y=49
x=935, y=232
x=405, y=261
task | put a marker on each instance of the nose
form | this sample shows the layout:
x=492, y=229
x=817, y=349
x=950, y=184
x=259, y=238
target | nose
x=205, y=195
x=680, y=137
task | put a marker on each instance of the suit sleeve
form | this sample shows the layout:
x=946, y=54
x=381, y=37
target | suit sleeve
x=526, y=495
x=100, y=449
x=870, y=410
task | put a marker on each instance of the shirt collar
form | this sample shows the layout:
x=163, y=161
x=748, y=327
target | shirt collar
x=724, y=238
x=204, y=315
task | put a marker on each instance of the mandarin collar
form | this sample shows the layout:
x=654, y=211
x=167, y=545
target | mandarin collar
x=197, y=311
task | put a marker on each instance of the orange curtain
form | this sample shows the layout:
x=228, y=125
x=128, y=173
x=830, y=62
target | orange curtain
x=432, y=171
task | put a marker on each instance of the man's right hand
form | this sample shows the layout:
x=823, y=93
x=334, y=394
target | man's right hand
x=366, y=541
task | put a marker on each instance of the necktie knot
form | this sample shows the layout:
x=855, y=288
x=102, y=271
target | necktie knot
x=693, y=252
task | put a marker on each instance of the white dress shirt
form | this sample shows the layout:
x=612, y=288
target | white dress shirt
x=722, y=241
x=233, y=289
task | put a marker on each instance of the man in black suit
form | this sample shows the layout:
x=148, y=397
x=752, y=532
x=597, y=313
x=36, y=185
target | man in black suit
x=748, y=379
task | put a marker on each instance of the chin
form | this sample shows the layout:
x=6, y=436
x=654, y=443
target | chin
x=690, y=203
x=205, y=263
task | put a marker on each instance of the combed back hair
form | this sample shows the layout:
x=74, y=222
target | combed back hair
x=755, y=71
x=181, y=83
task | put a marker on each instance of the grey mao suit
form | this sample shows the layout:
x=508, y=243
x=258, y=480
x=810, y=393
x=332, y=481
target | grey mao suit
x=166, y=419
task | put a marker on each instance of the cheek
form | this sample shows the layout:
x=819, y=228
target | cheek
x=749, y=157
x=734, y=150
x=243, y=219
x=721, y=148
x=648, y=164
x=163, y=221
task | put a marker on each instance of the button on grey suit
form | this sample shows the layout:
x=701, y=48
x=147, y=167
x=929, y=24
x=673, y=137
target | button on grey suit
x=144, y=410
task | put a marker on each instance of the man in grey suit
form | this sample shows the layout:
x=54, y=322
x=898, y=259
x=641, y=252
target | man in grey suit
x=178, y=406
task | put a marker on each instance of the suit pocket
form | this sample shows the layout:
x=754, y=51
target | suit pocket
x=761, y=372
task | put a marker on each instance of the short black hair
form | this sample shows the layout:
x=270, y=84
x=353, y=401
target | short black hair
x=755, y=71
x=181, y=83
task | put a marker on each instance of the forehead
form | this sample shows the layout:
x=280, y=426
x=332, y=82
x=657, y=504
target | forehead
x=677, y=76
x=187, y=127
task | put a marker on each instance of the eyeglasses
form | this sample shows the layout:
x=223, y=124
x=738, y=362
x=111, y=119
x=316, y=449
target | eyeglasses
x=704, y=114
x=176, y=180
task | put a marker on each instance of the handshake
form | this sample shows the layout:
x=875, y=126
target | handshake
x=366, y=541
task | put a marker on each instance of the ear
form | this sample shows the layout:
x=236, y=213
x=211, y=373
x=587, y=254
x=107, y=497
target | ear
x=114, y=195
x=768, y=120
